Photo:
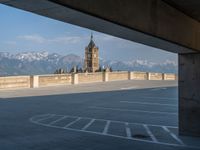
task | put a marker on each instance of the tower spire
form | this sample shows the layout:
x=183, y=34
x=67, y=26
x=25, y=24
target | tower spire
x=91, y=36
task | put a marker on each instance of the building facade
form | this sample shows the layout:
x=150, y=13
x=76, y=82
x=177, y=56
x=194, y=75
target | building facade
x=91, y=62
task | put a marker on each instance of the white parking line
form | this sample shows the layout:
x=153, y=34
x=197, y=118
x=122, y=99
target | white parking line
x=150, y=133
x=116, y=121
x=40, y=116
x=145, y=103
x=69, y=124
x=134, y=110
x=128, y=130
x=52, y=115
x=87, y=125
x=57, y=120
x=105, y=131
x=164, y=98
x=173, y=135
x=128, y=88
x=157, y=89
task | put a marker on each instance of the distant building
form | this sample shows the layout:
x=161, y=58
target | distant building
x=91, y=62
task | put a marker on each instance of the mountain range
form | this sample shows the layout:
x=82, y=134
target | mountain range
x=27, y=63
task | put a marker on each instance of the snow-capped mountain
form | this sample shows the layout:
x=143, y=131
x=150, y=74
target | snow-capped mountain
x=27, y=63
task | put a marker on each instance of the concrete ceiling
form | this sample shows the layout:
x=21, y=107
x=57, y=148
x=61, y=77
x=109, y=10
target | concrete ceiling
x=150, y=22
x=189, y=7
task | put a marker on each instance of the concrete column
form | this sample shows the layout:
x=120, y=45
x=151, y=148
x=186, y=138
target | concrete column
x=189, y=94
x=130, y=75
x=34, y=81
x=163, y=76
x=176, y=77
x=74, y=78
x=105, y=76
x=148, y=76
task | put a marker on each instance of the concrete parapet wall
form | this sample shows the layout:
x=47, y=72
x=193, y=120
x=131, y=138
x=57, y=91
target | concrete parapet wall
x=76, y=78
x=139, y=76
x=14, y=82
x=55, y=79
x=90, y=77
x=114, y=76
x=170, y=76
x=155, y=76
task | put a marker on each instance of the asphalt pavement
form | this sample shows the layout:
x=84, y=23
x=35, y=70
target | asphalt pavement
x=106, y=116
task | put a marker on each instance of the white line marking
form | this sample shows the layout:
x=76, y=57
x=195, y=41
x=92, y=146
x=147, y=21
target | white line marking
x=110, y=135
x=150, y=97
x=40, y=116
x=132, y=110
x=173, y=135
x=157, y=89
x=69, y=124
x=127, y=88
x=150, y=133
x=87, y=125
x=106, y=127
x=128, y=130
x=145, y=103
x=116, y=121
x=116, y=136
x=57, y=120
x=52, y=115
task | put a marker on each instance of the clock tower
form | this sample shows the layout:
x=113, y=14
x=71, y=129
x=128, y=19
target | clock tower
x=91, y=62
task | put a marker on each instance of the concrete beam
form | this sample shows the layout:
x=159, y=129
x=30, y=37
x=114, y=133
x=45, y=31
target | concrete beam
x=151, y=22
x=189, y=94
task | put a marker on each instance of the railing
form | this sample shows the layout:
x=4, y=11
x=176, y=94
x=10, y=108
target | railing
x=78, y=78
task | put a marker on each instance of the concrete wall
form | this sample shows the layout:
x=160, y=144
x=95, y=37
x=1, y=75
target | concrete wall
x=68, y=79
x=51, y=80
x=155, y=76
x=189, y=94
x=114, y=76
x=151, y=22
x=90, y=77
x=169, y=76
x=14, y=82
x=139, y=75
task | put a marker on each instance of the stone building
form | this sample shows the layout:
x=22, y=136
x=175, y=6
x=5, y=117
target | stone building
x=91, y=62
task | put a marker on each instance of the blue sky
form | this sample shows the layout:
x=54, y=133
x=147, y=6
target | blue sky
x=22, y=31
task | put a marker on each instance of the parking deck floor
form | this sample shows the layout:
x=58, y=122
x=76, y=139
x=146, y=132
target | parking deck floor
x=108, y=116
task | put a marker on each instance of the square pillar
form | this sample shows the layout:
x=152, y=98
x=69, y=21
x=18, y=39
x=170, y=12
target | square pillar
x=148, y=76
x=163, y=76
x=130, y=75
x=75, y=78
x=34, y=81
x=105, y=76
x=189, y=94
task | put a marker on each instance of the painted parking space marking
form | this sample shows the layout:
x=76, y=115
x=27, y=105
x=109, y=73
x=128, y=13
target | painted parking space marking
x=87, y=125
x=150, y=133
x=73, y=122
x=157, y=89
x=45, y=118
x=126, y=126
x=134, y=110
x=129, y=88
x=173, y=135
x=146, y=103
x=128, y=130
x=163, y=98
x=105, y=131
x=59, y=119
